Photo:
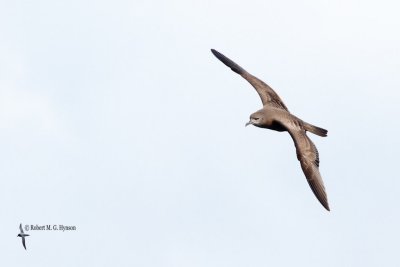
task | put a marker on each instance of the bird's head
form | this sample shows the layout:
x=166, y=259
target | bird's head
x=256, y=119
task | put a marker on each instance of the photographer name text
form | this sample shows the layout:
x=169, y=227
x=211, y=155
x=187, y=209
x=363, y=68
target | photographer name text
x=49, y=227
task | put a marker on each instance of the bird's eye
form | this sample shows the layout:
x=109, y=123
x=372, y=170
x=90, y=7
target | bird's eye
x=256, y=119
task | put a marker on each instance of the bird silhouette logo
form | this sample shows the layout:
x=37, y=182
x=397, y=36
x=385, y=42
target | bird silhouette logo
x=22, y=235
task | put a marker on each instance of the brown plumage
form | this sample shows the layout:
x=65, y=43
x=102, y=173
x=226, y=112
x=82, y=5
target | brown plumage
x=275, y=116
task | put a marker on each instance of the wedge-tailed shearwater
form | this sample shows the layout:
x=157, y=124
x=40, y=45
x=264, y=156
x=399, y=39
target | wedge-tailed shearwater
x=275, y=116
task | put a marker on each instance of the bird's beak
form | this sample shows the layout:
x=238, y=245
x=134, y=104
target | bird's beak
x=248, y=123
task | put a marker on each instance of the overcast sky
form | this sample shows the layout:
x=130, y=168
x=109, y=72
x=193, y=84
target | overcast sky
x=116, y=118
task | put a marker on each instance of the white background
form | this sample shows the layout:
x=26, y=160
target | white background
x=117, y=119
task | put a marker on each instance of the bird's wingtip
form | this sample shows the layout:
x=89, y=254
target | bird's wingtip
x=228, y=62
x=326, y=205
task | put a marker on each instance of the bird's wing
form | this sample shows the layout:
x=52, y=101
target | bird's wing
x=267, y=94
x=23, y=242
x=307, y=154
x=20, y=228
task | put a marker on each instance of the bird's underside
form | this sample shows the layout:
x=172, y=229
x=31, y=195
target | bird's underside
x=275, y=116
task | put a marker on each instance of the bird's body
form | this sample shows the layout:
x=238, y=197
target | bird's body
x=275, y=116
x=270, y=118
x=280, y=120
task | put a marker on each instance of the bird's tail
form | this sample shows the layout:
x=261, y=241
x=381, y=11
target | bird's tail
x=316, y=130
x=228, y=62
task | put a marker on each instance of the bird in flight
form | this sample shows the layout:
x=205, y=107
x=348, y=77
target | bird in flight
x=22, y=235
x=275, y=116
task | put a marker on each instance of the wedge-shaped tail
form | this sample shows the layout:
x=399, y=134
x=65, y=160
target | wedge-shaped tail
x=316, y=130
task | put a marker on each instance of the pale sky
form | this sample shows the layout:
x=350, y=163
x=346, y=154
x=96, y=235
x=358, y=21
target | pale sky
x=116, y=118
